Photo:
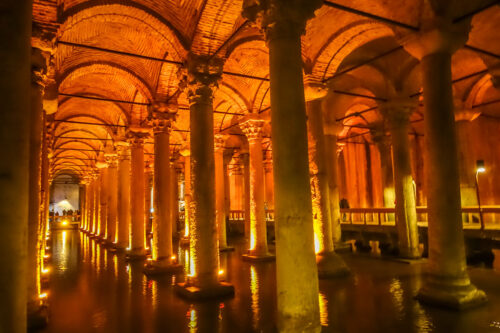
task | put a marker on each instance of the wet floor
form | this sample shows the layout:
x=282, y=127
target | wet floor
x=94, y=290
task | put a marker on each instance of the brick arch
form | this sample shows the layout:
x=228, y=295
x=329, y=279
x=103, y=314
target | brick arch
x=111, y=68
x=123, y=28
x=342, y=43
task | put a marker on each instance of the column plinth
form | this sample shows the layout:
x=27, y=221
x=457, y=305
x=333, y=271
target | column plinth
x=329, y=263
x=283, y=23
x=258, y=249
x=447, y=282
x=161, y=251
x=203, y=279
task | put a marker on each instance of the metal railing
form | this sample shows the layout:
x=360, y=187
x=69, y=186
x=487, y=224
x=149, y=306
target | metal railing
x=239, y=215
x=385, y=217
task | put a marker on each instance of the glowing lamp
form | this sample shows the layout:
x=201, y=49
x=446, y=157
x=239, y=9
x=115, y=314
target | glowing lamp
x=173, y=257
x=221, y=271
x=42, y=296
x=65, y=222
x=480, y=166
x=45, y=271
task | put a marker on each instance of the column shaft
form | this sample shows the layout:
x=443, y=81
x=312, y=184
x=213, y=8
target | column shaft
x=137, y=200
x=15, y=35
x=333, y=186
x=103, y=203
x=246, y=182
x=406, y=213
x=123, y=198
x=162, y=223
x=203, y=242
x=220, y=209
x=112, y=192
x=297, y=283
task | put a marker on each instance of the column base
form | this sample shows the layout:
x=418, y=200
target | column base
x=159, y=267
x=331, y=265
x=342, y=247
x=258, y=257
x=136, y=254
x=452, y=296
x=226, y=249
x=192, y=292
x=38, y=317
x=119, y=248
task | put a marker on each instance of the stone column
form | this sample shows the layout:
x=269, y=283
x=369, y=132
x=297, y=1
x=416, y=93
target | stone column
x=91, y=203
x=103, y=199
x=97, y=195
x=329, y=263
x=331, y=132
x=148, y=188
x=187, y=195
x=466, y=162
x=161, y=251
x=123, y=202
x=15, y=67
x=283, y=23
x=220, y=209
x=137, y=200
x=112, y=193
x=201, y=78
x=174, y=197
x=257, y=251
x=246, y=182
x=383, y=143
x=81, y=202
x=37, y=316
x=269, y=180
x=447, y=282
x=397, y=114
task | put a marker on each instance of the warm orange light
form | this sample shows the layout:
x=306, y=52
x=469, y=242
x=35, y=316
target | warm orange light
x=42, y=296
x=64, y=222
x=221, y=271
x=45, y=271
x=173, y=257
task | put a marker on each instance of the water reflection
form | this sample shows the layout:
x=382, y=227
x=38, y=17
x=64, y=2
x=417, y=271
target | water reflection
x=95, y=290
x=323, y=309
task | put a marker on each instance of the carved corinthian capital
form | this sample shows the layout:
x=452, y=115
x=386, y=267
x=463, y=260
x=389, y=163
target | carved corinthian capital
x=280, y=18
x=200, y=77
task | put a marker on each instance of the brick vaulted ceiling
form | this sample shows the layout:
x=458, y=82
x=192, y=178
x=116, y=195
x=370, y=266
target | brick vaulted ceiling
x=335, y=40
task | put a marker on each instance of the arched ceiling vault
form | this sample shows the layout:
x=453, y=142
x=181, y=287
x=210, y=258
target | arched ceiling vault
x=117, y=86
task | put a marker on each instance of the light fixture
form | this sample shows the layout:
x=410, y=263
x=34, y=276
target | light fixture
x=480, y=166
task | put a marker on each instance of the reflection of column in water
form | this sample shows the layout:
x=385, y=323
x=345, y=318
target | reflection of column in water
x=323, y=309
x=254, y=289
x=98, y=258
x=205, y=317
x=154, y=293
x=137, y=282
x=115, y=266
x=397, y=297
x=193, y=319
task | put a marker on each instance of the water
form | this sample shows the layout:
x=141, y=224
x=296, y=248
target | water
x=94, y=290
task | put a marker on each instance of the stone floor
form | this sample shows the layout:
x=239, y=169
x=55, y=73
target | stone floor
x=94, y=290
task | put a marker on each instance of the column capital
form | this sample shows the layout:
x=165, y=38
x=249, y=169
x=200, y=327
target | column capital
x=252, y=127
x=123, y=149
x=333, y=129
x=136, y=135
x=200, y=77
x=466, y=115
x=438, y=35
x=101, y=164
x=280, y=18
x=161, y=116
x=314, y=89
x=379, y=136
x=398, y=111
x=111, y=159
x=220, y=141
